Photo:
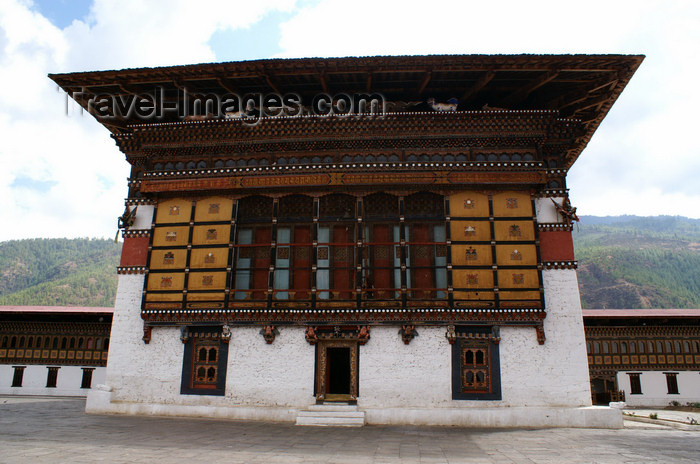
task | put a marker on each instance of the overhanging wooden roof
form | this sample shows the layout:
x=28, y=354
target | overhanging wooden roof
x=581, y=87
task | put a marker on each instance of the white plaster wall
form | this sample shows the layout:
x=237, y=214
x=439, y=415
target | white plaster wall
x=655, y=390
x=562, y=367
x=68, y=380
x=545, y=210
x=258, y=374
x=138, y=372
x=144, y=217
x=279, y=374
x=396, y=375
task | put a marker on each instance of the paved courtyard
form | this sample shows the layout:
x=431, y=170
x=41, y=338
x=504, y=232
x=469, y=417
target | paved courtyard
x=39, y=430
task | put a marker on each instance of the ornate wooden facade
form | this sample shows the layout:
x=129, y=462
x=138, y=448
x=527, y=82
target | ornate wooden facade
x=638, y=341
x=408, y=216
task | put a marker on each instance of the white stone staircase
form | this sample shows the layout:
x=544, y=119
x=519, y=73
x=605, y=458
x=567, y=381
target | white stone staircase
x=332, y=415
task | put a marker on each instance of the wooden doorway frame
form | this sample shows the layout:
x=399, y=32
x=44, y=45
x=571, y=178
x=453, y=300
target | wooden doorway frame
x=322, y=369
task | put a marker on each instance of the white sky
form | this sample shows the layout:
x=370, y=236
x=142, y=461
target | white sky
x=62, y=176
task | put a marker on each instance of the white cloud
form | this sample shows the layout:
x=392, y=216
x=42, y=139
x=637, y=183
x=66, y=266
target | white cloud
x=645, y=147
x=63, y=162
x=642, y=160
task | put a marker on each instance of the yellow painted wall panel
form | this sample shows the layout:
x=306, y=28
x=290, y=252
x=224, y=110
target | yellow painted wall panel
x=472, y=278
x=512, y=203
x=211, y=235
x=514, y=230
x=518, y=278
x=213, y=209
x=195, y=296
x=478, y=231
x=516, y=255
x=168, y=259
x=166, y=281
x=208, y=258
x=471, y=255
x=480, y=296
x=469, y=204
x=174, y=210
x=164, y=297
x=207, y=281
x=513, y=295
x=171, y=236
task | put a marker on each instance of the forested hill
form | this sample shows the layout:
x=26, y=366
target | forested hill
x=59, y=272
x=624, y=262
x=638, y=262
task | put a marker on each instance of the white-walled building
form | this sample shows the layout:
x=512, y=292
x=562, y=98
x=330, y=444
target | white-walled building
x=320, y=241
x=53, y=350
x=651, y=355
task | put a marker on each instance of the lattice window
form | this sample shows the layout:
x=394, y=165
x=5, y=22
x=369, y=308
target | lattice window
x=424, y=204
x=205, y=364
x=337, y=206
x=204, y=361
x=475, y=364
x=476, y=376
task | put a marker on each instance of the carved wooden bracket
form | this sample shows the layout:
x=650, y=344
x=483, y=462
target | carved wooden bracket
x=540, y=334
x=269, y=332
x=184, y=334
x=311, y=336
x=451, y=335
x=408, y=333
x=225, y=333
x=147, y=334
x=363, y=336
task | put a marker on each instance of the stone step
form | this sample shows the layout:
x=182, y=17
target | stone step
x=332, y=407
x=331, y=416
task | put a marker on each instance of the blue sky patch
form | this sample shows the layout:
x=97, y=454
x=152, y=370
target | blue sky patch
x=62, y=12
x=41, y=186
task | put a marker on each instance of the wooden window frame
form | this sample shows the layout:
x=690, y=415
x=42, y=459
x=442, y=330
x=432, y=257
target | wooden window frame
x=491, y=364
x=188, y=385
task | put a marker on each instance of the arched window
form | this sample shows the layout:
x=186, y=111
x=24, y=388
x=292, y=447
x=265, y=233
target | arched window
x=4, y=341
x=64, y=343
x=614, y=347
x=21, y=342
x=72, y=343
x=469, y=357
x=80, y=342
x=55, y=343
x=98, y=344
x=90, y=343
x=641, y=347
x=596, y=347
x=30, y=342
x=606, y=348
x=13, y=342
x=479, y=357
x=623, y=347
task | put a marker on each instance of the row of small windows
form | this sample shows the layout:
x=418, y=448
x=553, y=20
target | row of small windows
x=50, y=342
x=649, y=346
x=282, y=161
x=671, y=383
x=52, y=377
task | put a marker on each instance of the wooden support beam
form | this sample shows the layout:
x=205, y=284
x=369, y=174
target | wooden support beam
x=476, y=88
x=324, y=84
x=523, y=92
x=272, y=85
x=227, y=87
x=599, y=100
x=424, y=83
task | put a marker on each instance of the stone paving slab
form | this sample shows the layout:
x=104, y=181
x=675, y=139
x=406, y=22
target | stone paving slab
x=57, y=430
